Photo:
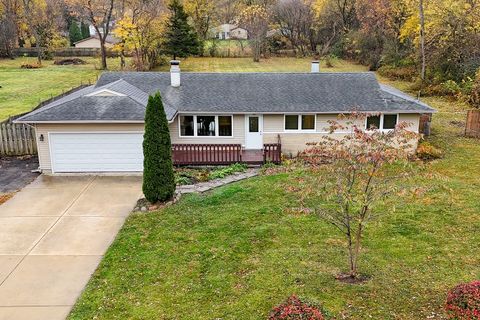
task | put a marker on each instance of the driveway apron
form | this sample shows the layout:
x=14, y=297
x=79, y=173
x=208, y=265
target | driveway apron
x=53, y=234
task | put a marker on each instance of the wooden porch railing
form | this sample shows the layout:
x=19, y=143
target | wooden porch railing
x=206, y=154
x=272, y=152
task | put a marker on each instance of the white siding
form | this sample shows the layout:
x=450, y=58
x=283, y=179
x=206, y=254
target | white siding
x=294, y=142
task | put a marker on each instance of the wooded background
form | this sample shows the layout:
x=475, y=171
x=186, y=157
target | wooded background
x=434, y=43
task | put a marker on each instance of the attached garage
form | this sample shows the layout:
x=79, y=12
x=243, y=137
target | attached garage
x=96, y=152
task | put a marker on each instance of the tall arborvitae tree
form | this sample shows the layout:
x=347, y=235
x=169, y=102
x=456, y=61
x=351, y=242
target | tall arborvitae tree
x=74, y=33
x=158, y=177
x=85, y=30
x=181, y=40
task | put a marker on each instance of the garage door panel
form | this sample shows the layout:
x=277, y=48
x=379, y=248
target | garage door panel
x=96, y=152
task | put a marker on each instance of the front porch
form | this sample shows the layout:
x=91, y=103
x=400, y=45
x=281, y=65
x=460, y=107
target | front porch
x=224, y=154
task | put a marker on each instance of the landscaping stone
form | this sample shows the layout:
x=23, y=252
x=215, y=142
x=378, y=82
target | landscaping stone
x=144, y=206
x=206, y=186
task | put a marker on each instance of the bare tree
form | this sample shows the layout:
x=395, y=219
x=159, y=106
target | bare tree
x=9, y=10
x=422, y=39
x=99, y=13
x=295, y=19
x=227, y=10
x=345, y=9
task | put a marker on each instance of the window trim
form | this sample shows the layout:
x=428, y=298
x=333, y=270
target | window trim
x=299, y=119
x=381, y=121
x=195, y=133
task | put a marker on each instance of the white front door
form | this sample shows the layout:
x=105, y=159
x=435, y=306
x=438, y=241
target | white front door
x=253, y=132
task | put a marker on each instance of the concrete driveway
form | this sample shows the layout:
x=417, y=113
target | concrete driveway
x=53, y=234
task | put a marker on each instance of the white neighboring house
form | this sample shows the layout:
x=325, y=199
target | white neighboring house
x=229, y=31
x=93, y=42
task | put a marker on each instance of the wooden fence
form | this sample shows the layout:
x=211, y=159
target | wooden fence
x=206, y=154
x=17, y=139
x=472, y=128
x=425, y=123
x=272, y=152
x=64, y=52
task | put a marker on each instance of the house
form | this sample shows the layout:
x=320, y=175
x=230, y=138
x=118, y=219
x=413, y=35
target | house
x=229, y=31
x=94, y=42
x=213, y=117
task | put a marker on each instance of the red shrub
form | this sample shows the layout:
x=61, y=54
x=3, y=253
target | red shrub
x=294, y=309
x=463, y=302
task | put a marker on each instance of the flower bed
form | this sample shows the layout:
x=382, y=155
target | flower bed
x=463, y=302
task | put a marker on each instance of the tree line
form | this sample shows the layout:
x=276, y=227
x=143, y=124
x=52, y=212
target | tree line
x=435, y=43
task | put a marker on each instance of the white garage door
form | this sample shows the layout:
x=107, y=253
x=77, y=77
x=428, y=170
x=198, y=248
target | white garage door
x=96, y=152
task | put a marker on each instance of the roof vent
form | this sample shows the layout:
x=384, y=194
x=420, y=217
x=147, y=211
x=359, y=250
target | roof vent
x=315, y=66
x=175, y=73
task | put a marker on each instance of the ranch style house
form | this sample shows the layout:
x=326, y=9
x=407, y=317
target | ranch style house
x=214, y=118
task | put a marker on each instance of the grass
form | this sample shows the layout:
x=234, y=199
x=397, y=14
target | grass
x=266, y=65
x=23, y=89
x=236, y=252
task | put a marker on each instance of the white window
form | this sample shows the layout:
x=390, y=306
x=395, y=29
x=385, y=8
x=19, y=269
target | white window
x=187, y=126
x=205, y=126
x=300, y=122
x=383, y=122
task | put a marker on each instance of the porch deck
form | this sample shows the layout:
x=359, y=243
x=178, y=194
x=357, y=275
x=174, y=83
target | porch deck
x=223, y=154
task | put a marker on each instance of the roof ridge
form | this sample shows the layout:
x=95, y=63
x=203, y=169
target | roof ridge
x=134, y=98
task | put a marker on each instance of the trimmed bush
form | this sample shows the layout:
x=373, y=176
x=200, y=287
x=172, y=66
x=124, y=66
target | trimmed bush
x=407, y=73
x=475, y=91
x=158, y=176
x=295, y=309
x=426, y=151
x=463, y=302
x=30, y=66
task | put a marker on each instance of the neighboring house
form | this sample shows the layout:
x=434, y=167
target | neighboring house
x=100, y=127
x=229, y=31
x=94, y=42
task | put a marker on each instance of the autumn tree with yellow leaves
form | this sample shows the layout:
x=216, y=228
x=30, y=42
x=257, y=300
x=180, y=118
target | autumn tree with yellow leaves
x=140, y=32
x=255, y=20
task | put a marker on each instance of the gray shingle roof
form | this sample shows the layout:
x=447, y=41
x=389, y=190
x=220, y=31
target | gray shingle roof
x=94, y=108
x=228, y=93
x=397, y=99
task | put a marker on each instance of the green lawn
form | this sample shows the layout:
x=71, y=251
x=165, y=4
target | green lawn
x=265, y=65
x=23, y=89
x=237, y=251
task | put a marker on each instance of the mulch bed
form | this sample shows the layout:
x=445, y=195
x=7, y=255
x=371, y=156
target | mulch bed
x=69, y=61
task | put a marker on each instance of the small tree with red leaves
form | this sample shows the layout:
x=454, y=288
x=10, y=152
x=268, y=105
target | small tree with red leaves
x=353, y=172
x=295, y=309
x=463, y=302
